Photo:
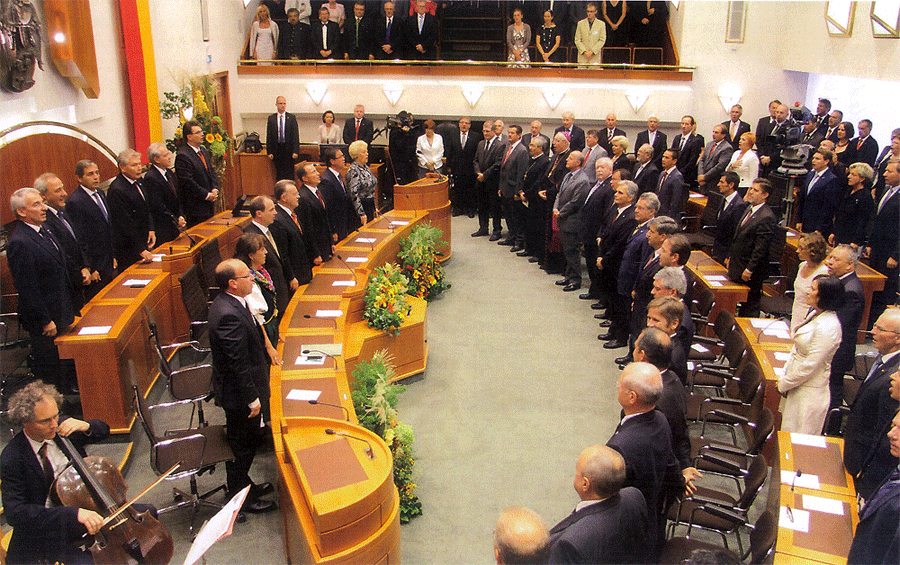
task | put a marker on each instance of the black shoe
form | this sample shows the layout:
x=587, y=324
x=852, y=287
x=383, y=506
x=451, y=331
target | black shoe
x=606, y=337
x=494, y=236
x=471, y=214
x=562, y=282
x=533, y=259
x=604, y=316
x=571, y=286
x=523, y=253
x=456, y=213
x=260, y=489
x=598, y=317
x=516, y=249
x=615, y=344
x=480, y=233
x=507, y=242
x=259, y=506
x=624, y=360
x=597, y=306
x=586, y=296
x=605, y=323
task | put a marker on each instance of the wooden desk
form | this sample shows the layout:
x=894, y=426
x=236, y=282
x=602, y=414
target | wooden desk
x=715, y=277
x=695, y=207
x=431, y=194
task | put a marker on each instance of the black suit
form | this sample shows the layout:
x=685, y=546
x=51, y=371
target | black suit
x=72, y=251
x=742, y=128
x=41, y=534
x=278, y=269
x=645, y=442
x=884, y=241
x=427, y=38
x=646, y=178
x=165, y=208
x=852, y=216
x=750, y=251
x=605, y=140
x=767, y=146
x=358, y=34
x=366, y=130
x=341, y=211
x=659, y=145
x=282, y=152
x=131, y=221
x=294, y=247
x=593, y=221
x=536, y=209
x=643, y=294
x=512, y=175
x=526, y=141
x=331, y=43
x=867, y=451
x=384, y=36
x=673, y=406
x=94, y=234
x=816, y=207
x=867, y=152
x=487, y=163
x=877, y=537
x=687, y=158
x=576, y=139
x=294, y=41
x=612, y=250
x=462, y=167
x=726, y=225
x=314, y=221
x=613, y=530
x=240, y=377
x=670, y=190
x=195, y=182
x=850, y=315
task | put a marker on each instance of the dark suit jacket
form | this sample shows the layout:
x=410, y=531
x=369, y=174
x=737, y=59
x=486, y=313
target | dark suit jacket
x=643, y=290
x=750, y=249
x=605, y=139
x=41, y=278
x=850, y=314
x=283, y=151
x=72, y=252
x=673, y=406
x=487, y=161
x=611, y=531
x=671, y=193
x=240, y=362
x=332, y=42
x=867, y=452
x=852, y=216
x=726, y=226
x=877, y=537
x=294, y=248
x=341, y=212
x=743, y=127
x=277, y=268
x=763, y=129
x=868, y=152
x=613, y=241
x=577, y=142
x=884, y=239
x=131, y=221
x=815, y=210
x=93, y=231
x=195, y=182
x=294, y=41
x=462, y=159
x=648, y=177
x=358, y=47
x=427, y=39
x=526, y=141
x=366, y=130
x=165, y=208
x=512, y=171
x=570, y=201
x=632, y=260
x=40, y=534
x=593, y=214
x=687, y=159
x=314, y=221
x=713, y=163
x=379, y=37
x=531, y=184
x=659, y=145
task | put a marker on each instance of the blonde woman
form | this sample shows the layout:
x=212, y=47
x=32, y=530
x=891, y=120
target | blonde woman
x=263, y=36
x=361, y=181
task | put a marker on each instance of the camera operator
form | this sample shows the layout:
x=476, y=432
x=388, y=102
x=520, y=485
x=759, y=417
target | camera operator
x=771, y=145
x=402, y=145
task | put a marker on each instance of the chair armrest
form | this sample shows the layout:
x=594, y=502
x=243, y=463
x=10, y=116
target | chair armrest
x=725, y=513
x=721, y=461
x=187, y=450
x=723, y=448
x=191, y=383
x=708, y=340
x=728, y=416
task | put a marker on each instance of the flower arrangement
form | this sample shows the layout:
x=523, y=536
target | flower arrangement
x=419, y=262
x=386, y=305
x=375, y=401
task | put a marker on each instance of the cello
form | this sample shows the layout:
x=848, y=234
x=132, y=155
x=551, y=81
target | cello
x=128, y=536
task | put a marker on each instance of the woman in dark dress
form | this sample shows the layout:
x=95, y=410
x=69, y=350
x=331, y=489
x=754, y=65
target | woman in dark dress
x=649, y=23
x=251, y=249
x=856, y=208
x=619, y=146
x=549, y=41
x=843, y=149
x=615, y=14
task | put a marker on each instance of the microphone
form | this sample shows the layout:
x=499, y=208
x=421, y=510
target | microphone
x=191, y=238
x=352, y=271
x=408, y=199
x=794, y=480
x=764, y=328
x=344, y=408
x=332, y=320
x=308, y=351
x=369, y=451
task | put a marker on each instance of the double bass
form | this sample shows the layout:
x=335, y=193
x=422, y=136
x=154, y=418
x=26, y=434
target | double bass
x=128, y=536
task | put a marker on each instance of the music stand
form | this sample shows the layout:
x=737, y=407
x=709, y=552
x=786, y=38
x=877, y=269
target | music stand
x=218, y=527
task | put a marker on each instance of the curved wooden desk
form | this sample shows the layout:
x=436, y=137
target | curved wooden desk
x=430, y=194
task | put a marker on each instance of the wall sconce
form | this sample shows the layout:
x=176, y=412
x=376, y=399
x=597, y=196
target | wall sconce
x=637, y=97
x=316, y=91
x=885, y=19
x=553, y=96
x=729, y=95
x=839, y=15
x=393, y=92
x=473, y=93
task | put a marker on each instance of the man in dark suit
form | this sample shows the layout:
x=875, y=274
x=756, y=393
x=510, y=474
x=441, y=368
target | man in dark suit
x=41, y=278
x=421, y=32
x=574, y=134
x=715, y=158
x=646, y=173
x=597, y=205
x=666, y=312
x=197, y=183
x=867, y=456
x=294, y=247
x=834, y=120
x=658, y=230
x=553, y=261
x=388, y=35
x=240, y=377
x=729, y=216
x=282, y=140
x=610, y=523
x=338, y=202
x=765, y=124
x=262, y=212
x=644, y=440
x=313, y=215
x=842, y=264
x=672, y=186
x=294, y=37
x=877, y=536
x=609, y=132
x=44, y=532
x=748, y=261
x=326, y=36
x=487, y=173
x=161, y=188
x=817, y=196
x=735, y=127
x=512, y=176
x=520, y=536
x=620, y=223
x=883, y=247
x=358, y=34
x=653, y=137
x=568, y=213
x=865, y=145
x=461, y=147
x=54, y=194
x=689, y=146
x=535, y=132
x=88, y=213
x=532, y=204
x=359, y=127
x=770, y=146
x=133, y=233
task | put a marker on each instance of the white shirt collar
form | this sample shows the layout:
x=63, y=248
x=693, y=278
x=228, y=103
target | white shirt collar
x=285, y=208
x=756, y=208
x=161, y=170
x=264, y=229
x=730, y=198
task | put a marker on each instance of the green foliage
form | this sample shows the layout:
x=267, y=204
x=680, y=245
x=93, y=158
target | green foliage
x=386, y=305
x=418, y=259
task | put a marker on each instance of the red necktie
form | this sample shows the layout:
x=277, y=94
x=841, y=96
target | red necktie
x=319, y=194
x=294, y=217
x=859, y=144
x=357, y=128
x=202, y=158
x=508, y=151
x=663, y=179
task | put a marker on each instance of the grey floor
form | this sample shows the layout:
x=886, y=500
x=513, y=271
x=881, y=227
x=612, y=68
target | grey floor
x=516, y=386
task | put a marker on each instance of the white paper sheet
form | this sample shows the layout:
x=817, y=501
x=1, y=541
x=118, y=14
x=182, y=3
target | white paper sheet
x=779, y=371
x=137, y=282
x=311, y=359
x=303, y=395
x=722, y=278
x=810, y=440
x=804, y=480
x=158, y=258
x=333, y=349
x=399, y=223
x=366, y=239
x=356, y=259
x=797, y=520
x=94, y=330
x=329, y=313
x=716, y=283
x=782, y=356
x=760, y=322
x=699, y=348
x=218, y=527
x=827, y=505
x=343, y=283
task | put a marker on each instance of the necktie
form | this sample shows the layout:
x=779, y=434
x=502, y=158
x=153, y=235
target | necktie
x=733, y=129
x=859, y=144
x=357, y=44
x=49, y=474
x=171, y=181
x=357, y=130
x=137, y=185
x=319, y=195
x=875, y=367
x=65, y=223
x=202, y=158
x=652, y=257
x=722, y=209
x=747, y=217
x=683, y=141
x=508, y=151
x=588, y=154
x=887, y=196
x=99, y=201
x=46, y=235
x=662, y=179
x=812, y=183
x=272, y=241
x=462, y=140
x=567, y=134
x=611, y=135
x=421, y=22
x=296, y=221
x=387, y=31
x=280, y=128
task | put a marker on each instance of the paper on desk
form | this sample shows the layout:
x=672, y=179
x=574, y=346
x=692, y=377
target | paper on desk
x=827, y=505
x=800, y=522
x=696, y=195
x=311, y=359
x=94, y=330
x=779, y=333
x=699, y=348
x=722, y=278
x=329, y=313
x=137, y=282
x=804, y=480
x=217, y=528
x=343, y=283
x=716, y=283
x=157, y=258
x=366, y=239
x=779, y=371
x=356, y=259
x=809, y=440
x=332, y=349
x=760, y=322
x=399, y=223
x=782, y=356
x=304, y=395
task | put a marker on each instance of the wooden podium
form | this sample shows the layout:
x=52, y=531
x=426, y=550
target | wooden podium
x=431, y=195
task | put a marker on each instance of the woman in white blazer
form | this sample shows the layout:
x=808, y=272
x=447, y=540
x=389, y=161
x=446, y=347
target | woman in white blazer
x=804, y=385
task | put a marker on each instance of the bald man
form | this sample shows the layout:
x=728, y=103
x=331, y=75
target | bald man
x=610, y=523
x=520, y=536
